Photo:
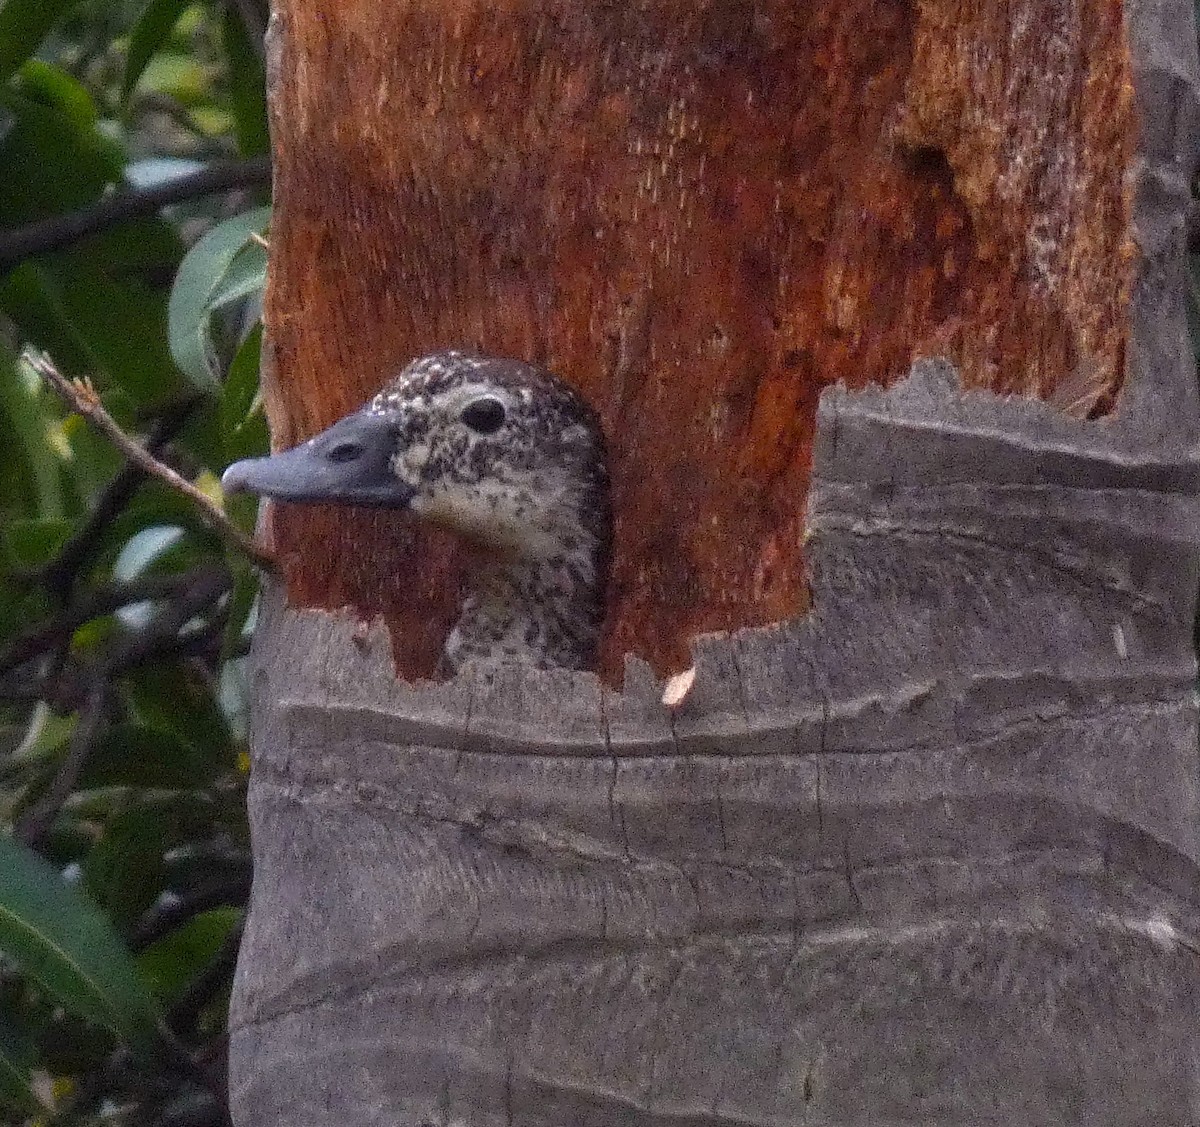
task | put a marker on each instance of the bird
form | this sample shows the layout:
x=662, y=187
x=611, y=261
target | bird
x=505, y=455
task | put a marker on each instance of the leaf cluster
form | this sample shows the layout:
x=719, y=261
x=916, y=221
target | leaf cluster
x=130, y=131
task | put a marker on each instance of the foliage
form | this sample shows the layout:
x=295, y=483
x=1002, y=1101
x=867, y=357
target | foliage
x=123, y=620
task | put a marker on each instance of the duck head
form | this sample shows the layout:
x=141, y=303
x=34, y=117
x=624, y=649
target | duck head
x=498, y=451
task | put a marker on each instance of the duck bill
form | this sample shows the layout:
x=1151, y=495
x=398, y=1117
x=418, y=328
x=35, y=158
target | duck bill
x=348, y=464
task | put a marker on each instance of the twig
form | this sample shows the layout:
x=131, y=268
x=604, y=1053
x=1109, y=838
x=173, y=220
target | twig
x=102, y=601
x=59, y=231
x=159, y=637
x=186, y=1010
x=61, y=687
x=162, y=637
x=163, y=919
x=60, y=573
x=31, y=827
x=155, y=101
x=81, y=397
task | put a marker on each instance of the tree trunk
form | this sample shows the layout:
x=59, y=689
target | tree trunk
x=924, y=850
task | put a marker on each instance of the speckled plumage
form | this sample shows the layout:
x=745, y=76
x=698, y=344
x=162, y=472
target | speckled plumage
x=505, y=455
x=533, y=495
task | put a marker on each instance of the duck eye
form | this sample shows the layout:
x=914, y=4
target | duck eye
x=484, y=416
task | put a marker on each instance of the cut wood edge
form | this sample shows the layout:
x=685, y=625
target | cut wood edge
x=918, y=460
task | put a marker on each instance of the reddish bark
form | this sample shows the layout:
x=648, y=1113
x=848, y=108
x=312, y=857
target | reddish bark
x=701, y=215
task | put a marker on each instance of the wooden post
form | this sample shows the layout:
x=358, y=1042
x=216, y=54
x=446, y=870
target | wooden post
x=926, y=849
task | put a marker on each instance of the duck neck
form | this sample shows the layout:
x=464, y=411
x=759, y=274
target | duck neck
x=543, y=612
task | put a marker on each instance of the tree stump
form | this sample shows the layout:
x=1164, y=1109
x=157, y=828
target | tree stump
x=921, y=844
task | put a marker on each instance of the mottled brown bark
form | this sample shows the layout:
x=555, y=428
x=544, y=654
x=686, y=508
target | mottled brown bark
x=702, y=215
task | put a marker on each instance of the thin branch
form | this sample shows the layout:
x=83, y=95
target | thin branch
x=186, y=1010
x=102, y=601
x=82, y=398
x=65, y=688
x=156, y=101
x=32, y=826
x=124, y=204
x=163, y=919
x=59, y=574
x=162, y=637
x=200, y=643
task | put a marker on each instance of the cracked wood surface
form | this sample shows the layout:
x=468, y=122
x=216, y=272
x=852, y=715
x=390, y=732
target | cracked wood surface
x=925, y=855
x=928, y=854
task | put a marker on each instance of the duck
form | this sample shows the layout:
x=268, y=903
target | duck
x=506, y=456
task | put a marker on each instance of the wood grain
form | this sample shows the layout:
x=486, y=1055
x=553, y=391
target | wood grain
x=926, y=855
x=701, y=215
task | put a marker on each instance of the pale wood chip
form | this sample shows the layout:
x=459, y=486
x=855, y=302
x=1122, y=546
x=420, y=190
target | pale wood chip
x=676, y=689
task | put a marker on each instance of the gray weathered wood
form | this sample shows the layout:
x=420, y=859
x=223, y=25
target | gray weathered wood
x=928, y=855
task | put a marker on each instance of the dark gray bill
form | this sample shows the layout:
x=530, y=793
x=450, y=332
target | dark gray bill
x=348, y=464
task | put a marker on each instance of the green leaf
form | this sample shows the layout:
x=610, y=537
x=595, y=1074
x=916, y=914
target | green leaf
x=17, y=1057
x=190, y=310
x=59, y=938
x=54, y=157
x=93, y=459
x=149, y=33
x=23, y=26
x=155, y=507
x=247, y=85
x=46, y=84
x=32, y=543
x=20, y=606
x=95, y=306
x=201, y=437
x=241, y=604
x=180, y=76
x=93, y=324
x=173, y=697
x=173, y=961
x=157, y=533
x=247, y=274
x=36, y=471
x=43, y=736
x=138, y=755
x=68, y=842
x=244, y=431
x=239, y=397
x=124, y=871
